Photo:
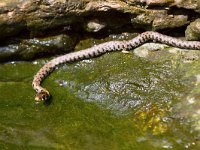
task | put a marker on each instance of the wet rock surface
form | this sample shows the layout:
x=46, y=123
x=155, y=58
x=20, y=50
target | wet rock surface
x=116, y=101
x=28, y=49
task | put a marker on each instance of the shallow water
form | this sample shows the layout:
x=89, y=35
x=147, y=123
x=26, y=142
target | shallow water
x=116, y=101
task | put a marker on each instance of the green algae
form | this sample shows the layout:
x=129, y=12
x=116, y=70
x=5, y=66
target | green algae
x=116, y=101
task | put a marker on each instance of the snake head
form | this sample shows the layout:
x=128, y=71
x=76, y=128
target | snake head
x=42, y=96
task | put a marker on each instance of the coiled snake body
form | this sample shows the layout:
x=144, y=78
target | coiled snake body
x=43, y=94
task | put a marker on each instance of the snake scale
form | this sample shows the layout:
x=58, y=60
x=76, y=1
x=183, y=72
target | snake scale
x=43, y=94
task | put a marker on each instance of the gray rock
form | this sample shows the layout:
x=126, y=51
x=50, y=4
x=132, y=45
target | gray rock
x=193, y=30
x=26, y=49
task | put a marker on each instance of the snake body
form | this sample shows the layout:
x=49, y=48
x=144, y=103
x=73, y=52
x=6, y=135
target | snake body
x=43, y=94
